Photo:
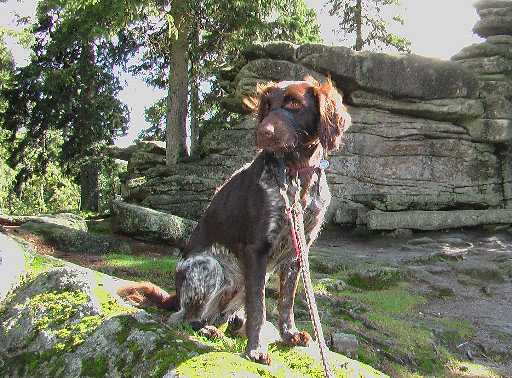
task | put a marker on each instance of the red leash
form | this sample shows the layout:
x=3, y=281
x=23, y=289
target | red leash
x=301, y=253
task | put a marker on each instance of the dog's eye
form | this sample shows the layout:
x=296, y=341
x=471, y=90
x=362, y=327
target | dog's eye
x=292, y=104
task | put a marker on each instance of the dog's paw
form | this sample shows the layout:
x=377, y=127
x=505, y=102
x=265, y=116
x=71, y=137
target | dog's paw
x=259, y=356
x=211, y=332
x=297, y=338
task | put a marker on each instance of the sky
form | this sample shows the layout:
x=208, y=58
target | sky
x=436, y=28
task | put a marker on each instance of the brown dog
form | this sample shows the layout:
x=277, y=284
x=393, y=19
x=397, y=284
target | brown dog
x=244, y=234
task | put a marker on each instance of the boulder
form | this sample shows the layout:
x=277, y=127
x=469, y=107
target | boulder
x=494, y=23
x=485, y=49
x=488, y=65
x=453, y=109
x=394, y=76
x=486, y=4
x=72, y=240
x=437, y=220
x=392, y=162
x=147, y=147
x=490, y=130
x=68, y=220
x=148, y=224
x=497, y=107
x=69, y=321
x=344, y=343
x=500, y=39
x=12, y=264
x=279, y=50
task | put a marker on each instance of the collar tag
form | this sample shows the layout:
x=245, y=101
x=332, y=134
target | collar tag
x=323, y=164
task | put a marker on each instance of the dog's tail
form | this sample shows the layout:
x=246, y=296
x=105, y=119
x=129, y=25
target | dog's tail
x=146, y=294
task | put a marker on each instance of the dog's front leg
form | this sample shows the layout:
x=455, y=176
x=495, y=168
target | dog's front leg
x=255, y=270
x=288, y=279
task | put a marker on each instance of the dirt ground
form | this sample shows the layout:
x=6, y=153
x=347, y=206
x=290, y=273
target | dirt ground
x=464, y=273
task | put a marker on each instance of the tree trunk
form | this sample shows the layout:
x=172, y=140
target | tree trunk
x=89, y=170
x=89, y=187
x=177, y=100
x=194, y=98
x=359, y=26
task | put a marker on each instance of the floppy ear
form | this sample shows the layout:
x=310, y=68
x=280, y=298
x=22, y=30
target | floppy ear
x=334, y=119
x=254, y=103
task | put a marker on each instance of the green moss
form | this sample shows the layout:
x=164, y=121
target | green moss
x=58, y=307
x=158, y=270
x=455, y=332
x=171, y=355
x=392, y=312
x=35, y=264
x=142, y=263
x=396, y=300
x=75, y=334
x=298, y=362
x=109, y=305
x=209, y=365
x=375, y=278
x=469, y=369
x=94, y=367
x=126, y=323
x=326, y=267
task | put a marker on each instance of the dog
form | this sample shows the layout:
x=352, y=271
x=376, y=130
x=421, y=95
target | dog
x=244, y=234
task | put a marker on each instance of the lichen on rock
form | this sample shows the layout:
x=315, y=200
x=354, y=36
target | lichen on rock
x=68, y=321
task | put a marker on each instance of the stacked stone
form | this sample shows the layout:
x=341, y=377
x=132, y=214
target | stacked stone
x=491, y=60
x=427, y=135
x=185, y=189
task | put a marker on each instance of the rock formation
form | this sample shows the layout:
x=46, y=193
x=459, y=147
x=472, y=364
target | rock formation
x=427, y=135
x=62, y=320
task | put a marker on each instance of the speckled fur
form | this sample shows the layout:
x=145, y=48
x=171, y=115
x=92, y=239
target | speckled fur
x=213, y=287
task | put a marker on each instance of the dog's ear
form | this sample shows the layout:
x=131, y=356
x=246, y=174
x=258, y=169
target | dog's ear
x=334, y=119
x=256, y=104
x=311, y=80
x=250, y=104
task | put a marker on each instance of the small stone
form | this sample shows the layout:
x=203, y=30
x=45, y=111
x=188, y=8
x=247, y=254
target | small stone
x=401, y=233
x=339, y=285
x=421, y=241
x=345, y=344
x=486, y=290
x=443, y=291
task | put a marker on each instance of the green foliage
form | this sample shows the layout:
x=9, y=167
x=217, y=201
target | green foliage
x=368, y=24
x=220, y=33
x=6, y=71
x=62, y=108
x=110, y=178
x=52, y=192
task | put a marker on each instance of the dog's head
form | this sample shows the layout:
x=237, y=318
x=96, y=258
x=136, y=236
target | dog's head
x=299, y=113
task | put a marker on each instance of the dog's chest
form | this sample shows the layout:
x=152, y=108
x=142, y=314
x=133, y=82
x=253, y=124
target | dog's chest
x=314, y=204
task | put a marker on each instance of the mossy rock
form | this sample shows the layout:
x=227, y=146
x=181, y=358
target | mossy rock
x=68, y=321
x=375, y=278
x=72, y=240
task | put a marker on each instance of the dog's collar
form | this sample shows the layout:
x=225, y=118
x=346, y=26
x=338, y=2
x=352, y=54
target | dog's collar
x=300, y=169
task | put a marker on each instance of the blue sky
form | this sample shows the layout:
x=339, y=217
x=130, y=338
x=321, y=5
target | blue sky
x=436, y=28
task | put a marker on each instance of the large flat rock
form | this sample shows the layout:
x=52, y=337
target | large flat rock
x=393, y=75
x=436, y=220
x=149, y=224
x=452, y=109
x=392, y=162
